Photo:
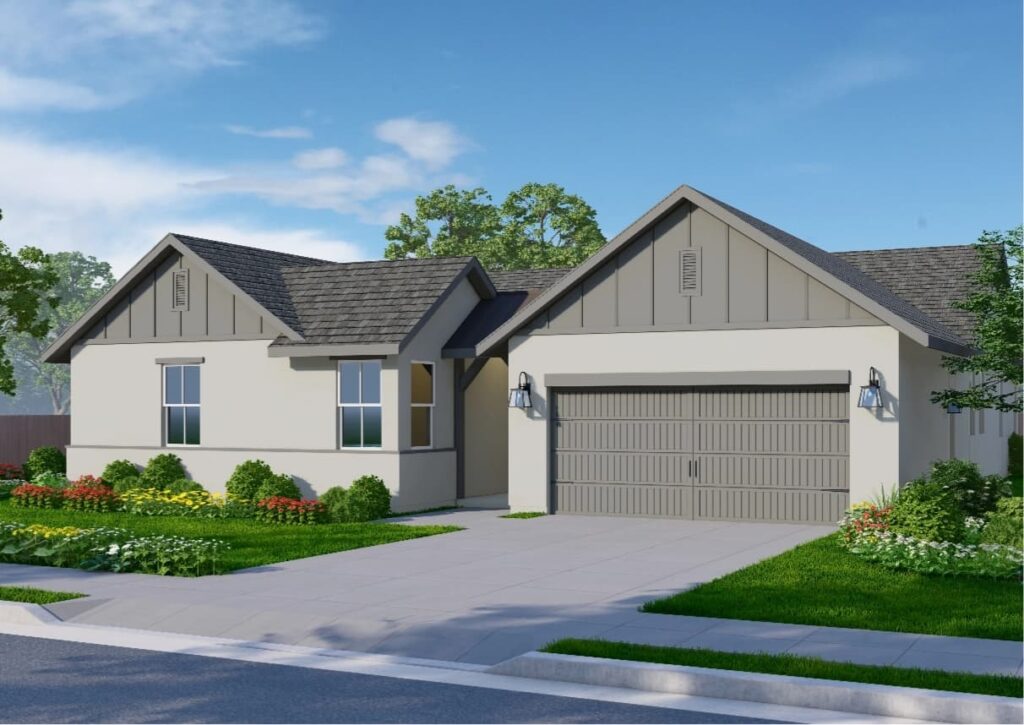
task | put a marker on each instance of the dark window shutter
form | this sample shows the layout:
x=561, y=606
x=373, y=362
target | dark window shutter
x=179, y=290
x=689, y=272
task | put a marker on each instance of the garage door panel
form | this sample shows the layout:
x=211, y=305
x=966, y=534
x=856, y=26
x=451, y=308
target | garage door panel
x=768, y=404
x=820, y=438
x=746, y=504
x=622, y=468
x=610, y=499
x=623, y=435
x=624, y=405
x=773, y=471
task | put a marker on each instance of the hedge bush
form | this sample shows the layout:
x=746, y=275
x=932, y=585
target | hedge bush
x=45, y=459
x=129, y=483
x=927, y=511
x=975, y=494
x=245, y=481
x=183, y=485
x=119, y=469
x=1016, y=448
x=1005, y=524
x=162, y=470
x=334, y=500
x=368, y=499
x=279, y=485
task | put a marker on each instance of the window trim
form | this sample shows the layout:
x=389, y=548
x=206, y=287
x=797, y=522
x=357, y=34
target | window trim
x=341, y=406
x=430, y=405
x=164, y=405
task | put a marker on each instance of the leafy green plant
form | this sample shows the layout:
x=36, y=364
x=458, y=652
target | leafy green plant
x=118, y=470
x=1015, y=444
x=368, y=499
x=925, y=510
x=51, y=480
x=245, y=482
x=45, y=460
x=6, y=487
x=334, y=500
x=162, y=470
x=947, y=558
x=975, y=494
x=279, y=485
x=183, y=485
x=129, y=483
x=1005, y=524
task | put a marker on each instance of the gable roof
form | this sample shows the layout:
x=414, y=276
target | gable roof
x=363, y=307
x=929, y=278
x=831, y=270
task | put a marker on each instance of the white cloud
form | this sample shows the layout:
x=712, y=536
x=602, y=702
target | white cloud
x=91, y=53
x=289, y=132
x=117, y=204
x=315, y=159
x=843, y=76
x=19, y=92
x=435, y=143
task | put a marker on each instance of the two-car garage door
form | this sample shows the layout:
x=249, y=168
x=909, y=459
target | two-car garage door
x=769, y=453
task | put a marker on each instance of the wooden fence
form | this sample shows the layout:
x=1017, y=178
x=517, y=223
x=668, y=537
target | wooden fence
x=19, y=434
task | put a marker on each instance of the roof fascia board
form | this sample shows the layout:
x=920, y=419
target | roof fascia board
x=341, y=350
x=473, y=269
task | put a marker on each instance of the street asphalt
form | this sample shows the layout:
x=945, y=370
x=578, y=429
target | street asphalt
x=45, y=680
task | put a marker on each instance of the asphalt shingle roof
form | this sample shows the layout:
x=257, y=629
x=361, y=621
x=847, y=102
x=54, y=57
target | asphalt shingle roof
x=930, y=278
x=519, y=280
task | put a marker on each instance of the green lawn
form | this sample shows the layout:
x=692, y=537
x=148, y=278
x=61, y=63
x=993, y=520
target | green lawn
x=32, y=595
x=783, y=664
x=821, y=583
x=252, y=543
x=524, y=515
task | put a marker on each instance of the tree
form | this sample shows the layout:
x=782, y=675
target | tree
x=539, y=225
x=81, y=280
x=25, y=282
x=995, y=304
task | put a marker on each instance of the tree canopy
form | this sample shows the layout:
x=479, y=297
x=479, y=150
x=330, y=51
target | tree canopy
x=81, y=280
x=995, y=303
x=537, y=226
x=26, y=279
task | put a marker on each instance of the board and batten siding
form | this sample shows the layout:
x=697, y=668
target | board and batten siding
x=740, y=283
x=757, y=453
x=146, y=312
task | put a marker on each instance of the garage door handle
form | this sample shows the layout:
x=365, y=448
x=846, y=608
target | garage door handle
x=689, y=468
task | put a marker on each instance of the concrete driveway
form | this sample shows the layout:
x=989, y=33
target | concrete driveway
x=500, y=588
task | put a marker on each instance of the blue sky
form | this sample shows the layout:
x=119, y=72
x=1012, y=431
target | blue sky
x=310, y=126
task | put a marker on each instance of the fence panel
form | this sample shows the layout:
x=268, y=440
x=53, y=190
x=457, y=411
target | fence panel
x=19, y=434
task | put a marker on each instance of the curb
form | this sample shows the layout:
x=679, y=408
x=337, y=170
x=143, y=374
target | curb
x=24, y=613
x=855, y=697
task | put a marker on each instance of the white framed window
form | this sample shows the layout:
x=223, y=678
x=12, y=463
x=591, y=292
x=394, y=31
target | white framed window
x=359, y=409
x=422, y=404
x=181, y=403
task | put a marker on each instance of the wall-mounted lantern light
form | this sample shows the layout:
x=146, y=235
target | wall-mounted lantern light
x=953, y=409
x=871, y=394
x=519, y=396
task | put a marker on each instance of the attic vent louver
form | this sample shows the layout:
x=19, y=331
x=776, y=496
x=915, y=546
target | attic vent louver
x=179, y=290
x=689, y=272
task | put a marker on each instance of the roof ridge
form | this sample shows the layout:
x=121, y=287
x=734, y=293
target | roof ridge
x=906, y=249
x=247, y=247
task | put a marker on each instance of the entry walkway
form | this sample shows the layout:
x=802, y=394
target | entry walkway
x=495, y=590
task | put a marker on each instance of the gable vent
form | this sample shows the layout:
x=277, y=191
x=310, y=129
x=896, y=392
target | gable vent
x=179, y=290
x=689, y=272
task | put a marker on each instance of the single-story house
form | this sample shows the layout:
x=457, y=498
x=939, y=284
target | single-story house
x=702, y=364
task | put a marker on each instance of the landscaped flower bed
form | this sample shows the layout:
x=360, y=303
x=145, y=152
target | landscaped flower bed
x=108, y=549
x=282, y=510
x=897, y=551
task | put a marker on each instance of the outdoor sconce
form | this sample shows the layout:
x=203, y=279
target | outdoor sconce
x=953, y=409
x=871, y=394
x=519, y=397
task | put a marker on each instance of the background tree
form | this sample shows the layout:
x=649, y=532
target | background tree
x=996, y=306
x=81, y=280
x=25, y=282
x=539, y=225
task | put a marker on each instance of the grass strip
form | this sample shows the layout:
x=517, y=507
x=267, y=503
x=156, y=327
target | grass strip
x=821, y=583
x=524, y=515
x=785, y=664
x=31, y=595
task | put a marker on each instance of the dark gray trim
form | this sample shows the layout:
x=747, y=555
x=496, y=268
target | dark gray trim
x=687, y=379
x=798, y=324
x=345, y=451
x=460, y=429
x=941, y=345
x=180, y=360
x=454, y=353
x=347, y=350
x=467, y=378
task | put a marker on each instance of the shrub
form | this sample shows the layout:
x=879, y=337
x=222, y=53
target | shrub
x=11, y=472
x=1016, y=449
x=975, y=494
x=162, y=470
x=334, y=500
x=284, y=510
x=1005, y=524
x=119, y=469
x=280, y=485
x=184, y=485
x=50, y=480
x=368, y=499
x=128, y=483
x=246, y=480
x=91, y=498
x=927, y=511
x=30, y=495
x=45, y=459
